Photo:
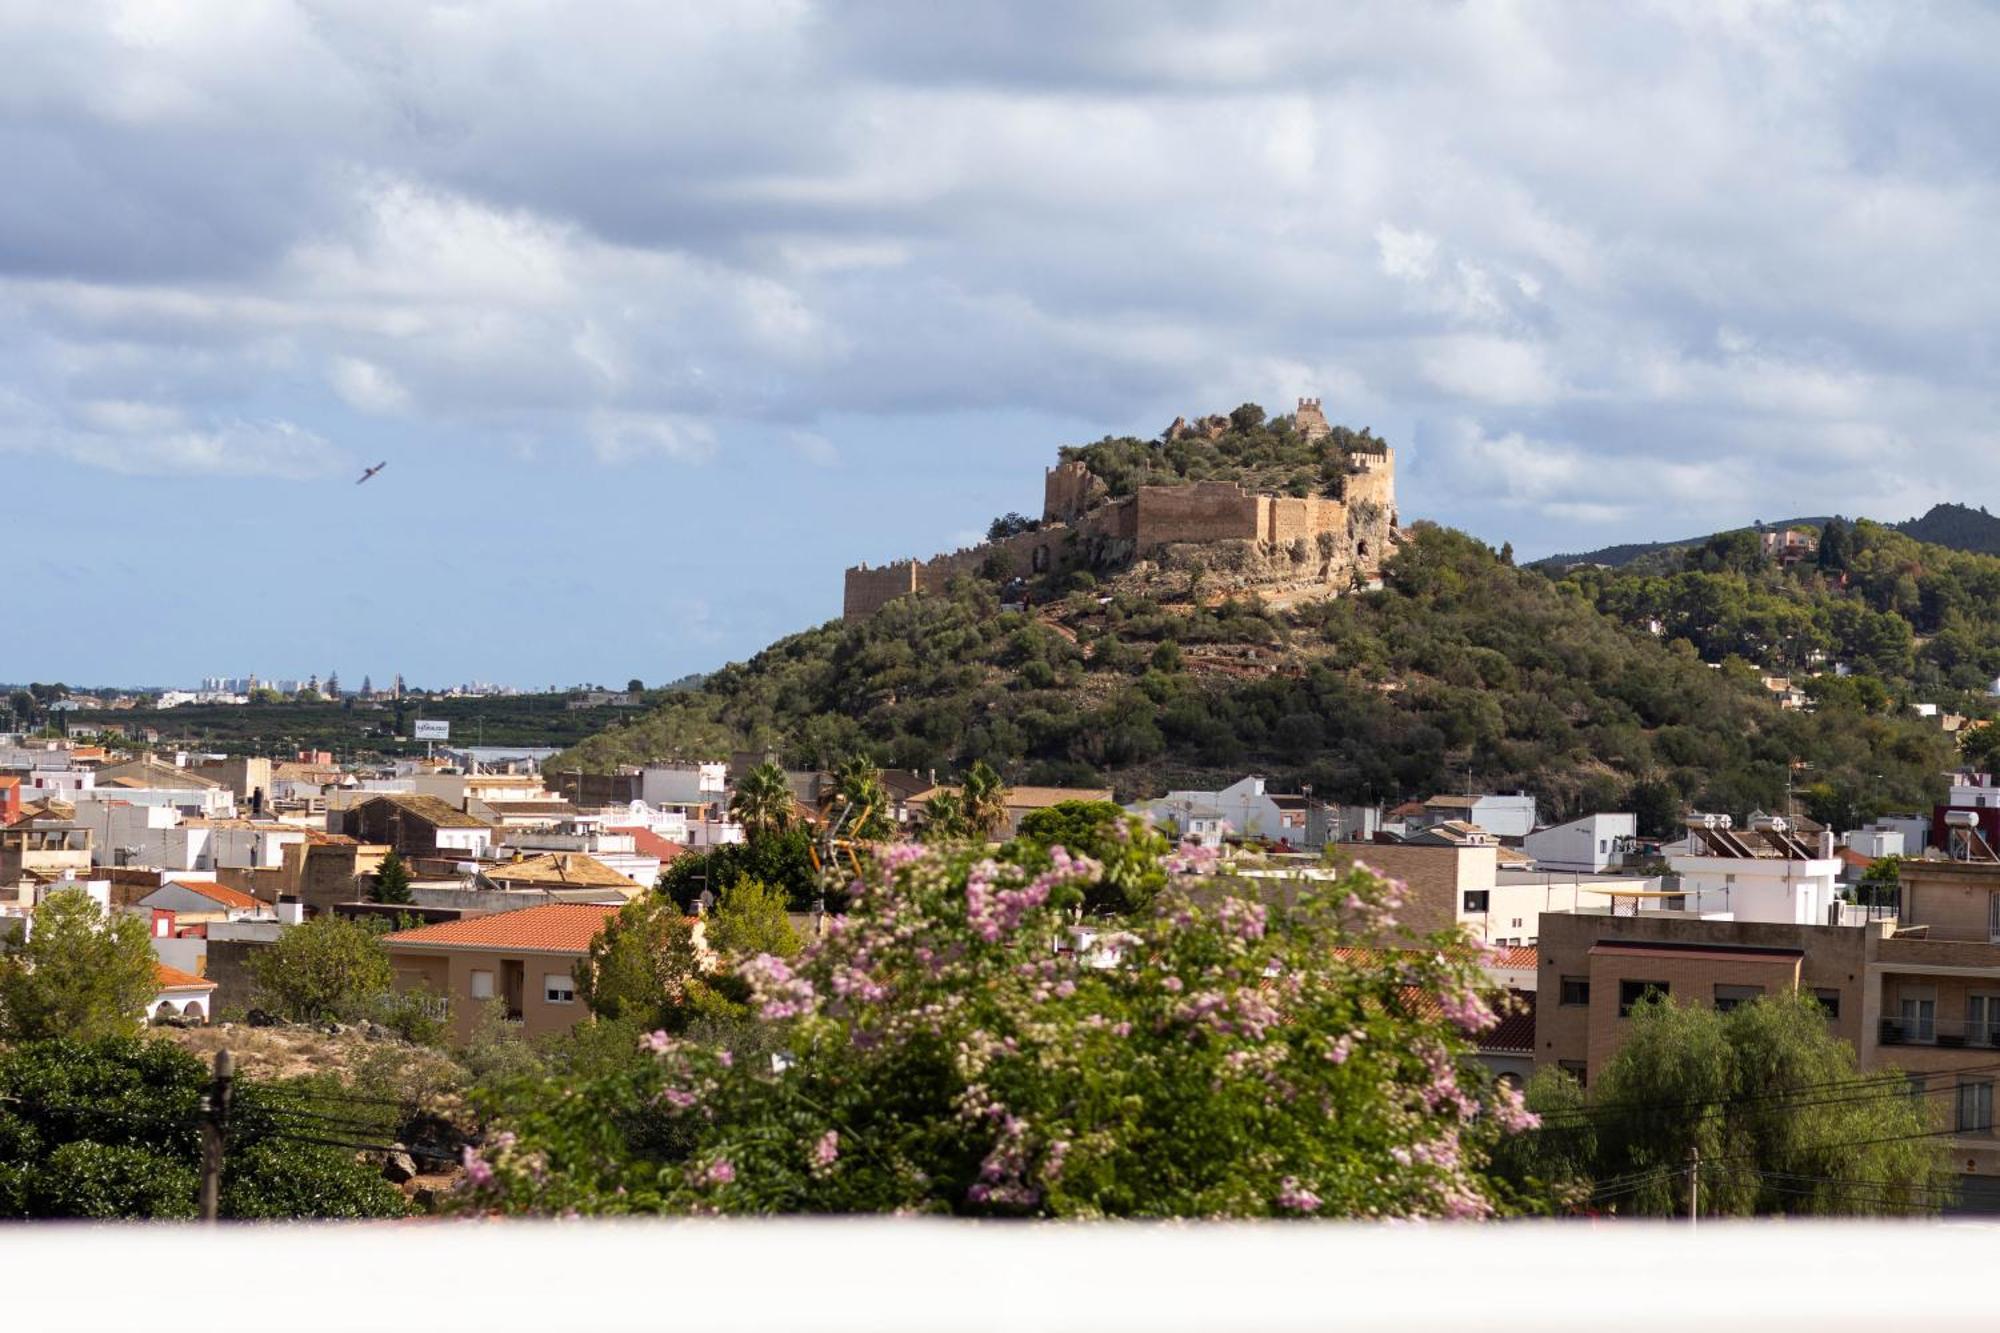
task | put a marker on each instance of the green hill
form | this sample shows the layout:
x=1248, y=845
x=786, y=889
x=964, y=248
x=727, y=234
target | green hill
x=1463, y=669
x=1955, y=526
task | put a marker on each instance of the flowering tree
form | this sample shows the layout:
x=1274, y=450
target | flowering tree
x=957, y=1044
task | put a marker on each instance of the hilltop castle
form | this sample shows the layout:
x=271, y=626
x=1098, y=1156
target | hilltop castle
x=1255, y=542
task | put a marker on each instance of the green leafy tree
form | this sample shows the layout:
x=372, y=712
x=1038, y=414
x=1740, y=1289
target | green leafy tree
x=938, y=1057
x=392, y=881
x=641, y=965
x=80, y=974
x=1774, y=1105
x=327, y=968
x=984, y=800
x=763, y=800
x=108, y=1129
x=782, y=860
x=749, y=920
x=1130, y=857
x=1882, y=883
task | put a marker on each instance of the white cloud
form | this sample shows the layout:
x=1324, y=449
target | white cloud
x=1686, y=243
x=1409, y=255
x=367, y=387
x=1500, y=371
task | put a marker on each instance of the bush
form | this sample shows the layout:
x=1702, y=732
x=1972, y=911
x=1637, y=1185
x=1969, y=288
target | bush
x=940, y=1057
x=99, y=1181
x=327, y=968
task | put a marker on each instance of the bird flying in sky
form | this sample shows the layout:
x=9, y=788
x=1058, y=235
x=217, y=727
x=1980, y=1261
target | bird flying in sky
x=372, y=471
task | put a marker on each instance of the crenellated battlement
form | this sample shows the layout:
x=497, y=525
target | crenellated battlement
x=1288, y=541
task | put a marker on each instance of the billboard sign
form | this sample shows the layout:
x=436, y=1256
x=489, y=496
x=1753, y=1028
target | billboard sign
x=432, y=731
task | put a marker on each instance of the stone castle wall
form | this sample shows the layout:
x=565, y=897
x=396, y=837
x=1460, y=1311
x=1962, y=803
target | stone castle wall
x=1344, y=540
x=869, y=590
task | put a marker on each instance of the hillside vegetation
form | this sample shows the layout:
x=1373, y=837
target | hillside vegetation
x=1959, y=527
x=1462, y=670
x=1266, y=455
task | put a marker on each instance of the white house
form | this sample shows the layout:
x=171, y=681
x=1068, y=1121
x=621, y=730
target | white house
x=1508, y=818
x=1594, y=843
x=1875, y=842
x=1763, y=873
x=1243, y=806
x=180, y=995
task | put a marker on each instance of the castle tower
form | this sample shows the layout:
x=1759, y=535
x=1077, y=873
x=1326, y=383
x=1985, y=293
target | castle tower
x=1309, y=421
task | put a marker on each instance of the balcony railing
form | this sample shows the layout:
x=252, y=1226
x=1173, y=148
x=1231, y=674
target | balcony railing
x=1940, y=1032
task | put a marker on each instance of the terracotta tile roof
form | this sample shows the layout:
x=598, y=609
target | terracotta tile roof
x=558, y=870
x=648, y=843
x=153, y=773
x=231, y=898
x=1854, y=858
x=1514, y=1033
x=553, y=928
x=172, y=978
x=1519, y=956
x=433, y=810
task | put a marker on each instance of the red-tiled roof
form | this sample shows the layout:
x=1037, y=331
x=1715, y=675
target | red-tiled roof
x=172, y=978
x=1855, y=859
x=553, y=928
x=232, y=898
x=1519, y=956
x=1516, y=1029
x=648, y=843
x=1515, y=1032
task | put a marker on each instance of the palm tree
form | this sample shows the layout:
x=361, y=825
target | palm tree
x=944, y=818
x=763, y=799
x=985, y=800
x=857, y=785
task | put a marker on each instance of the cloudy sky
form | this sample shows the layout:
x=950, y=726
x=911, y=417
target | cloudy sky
x=662, y=314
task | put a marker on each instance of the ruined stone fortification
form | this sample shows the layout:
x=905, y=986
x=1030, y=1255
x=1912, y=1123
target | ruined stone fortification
x=1251, y=542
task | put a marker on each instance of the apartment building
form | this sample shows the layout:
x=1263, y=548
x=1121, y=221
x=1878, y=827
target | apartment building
x=1919, y=993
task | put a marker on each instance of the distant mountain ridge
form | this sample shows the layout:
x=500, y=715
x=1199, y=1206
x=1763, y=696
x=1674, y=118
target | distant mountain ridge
x=1956, y=526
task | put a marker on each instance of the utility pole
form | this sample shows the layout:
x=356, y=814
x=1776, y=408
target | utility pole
x=214, y=1120
x=1694, y=1187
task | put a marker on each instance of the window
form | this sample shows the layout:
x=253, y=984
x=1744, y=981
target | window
x=1577, y=1070
x=482, y=985
x=1632, y=992
x=1517, y=923
x=1982, y=1020
x=1829, y=1000
x=1728, y=997
x=559, y=988
x=1575, y=991
x=1475, y=899
x=1603, y=846
x=1916, y=1018
x=1975, y=1108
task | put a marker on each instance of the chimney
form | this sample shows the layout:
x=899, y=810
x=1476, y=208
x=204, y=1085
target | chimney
x=291, y=911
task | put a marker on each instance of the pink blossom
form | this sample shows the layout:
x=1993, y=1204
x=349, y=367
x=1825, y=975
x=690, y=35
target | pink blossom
x=779, y=991
x=1466, y=1009
x=720, y=1172
x=478, y=1171
x=1295, y=1198
x=1340, y=1050
x=826, y=1151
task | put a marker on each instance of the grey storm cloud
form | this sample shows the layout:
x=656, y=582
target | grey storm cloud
x=1605, y=268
